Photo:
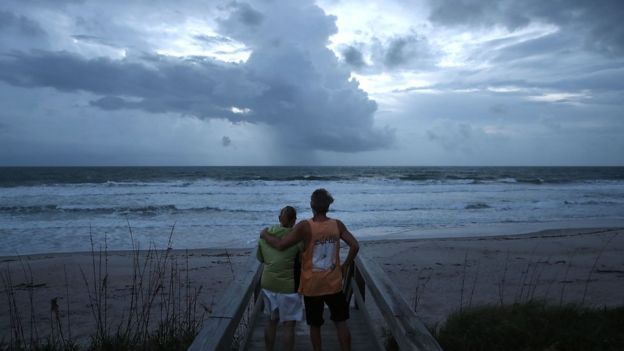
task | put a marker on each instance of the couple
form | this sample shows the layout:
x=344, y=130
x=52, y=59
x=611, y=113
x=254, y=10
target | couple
x=320, y=280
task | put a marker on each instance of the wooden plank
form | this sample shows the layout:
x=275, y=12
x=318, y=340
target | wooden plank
x=361, y=337
x=368, y=321
x=408, y=331
x=258, y=307
x=218, y=329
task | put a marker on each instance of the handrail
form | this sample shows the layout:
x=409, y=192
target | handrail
x=218, y=329
x=408, y=331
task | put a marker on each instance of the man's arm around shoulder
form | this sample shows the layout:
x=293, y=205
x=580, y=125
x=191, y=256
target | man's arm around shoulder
x=296, y=235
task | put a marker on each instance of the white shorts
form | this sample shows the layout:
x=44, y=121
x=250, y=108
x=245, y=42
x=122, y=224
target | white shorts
x=285, y=307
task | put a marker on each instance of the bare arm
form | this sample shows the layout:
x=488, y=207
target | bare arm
x=259, y=254
x=296, y=235
x=354, y=246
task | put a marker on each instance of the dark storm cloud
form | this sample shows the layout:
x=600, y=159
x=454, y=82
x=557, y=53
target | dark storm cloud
x=300, y=23
x=22, y=24
x=291, y=81
x=226, y=141
x=474, y=13
x=598, y=23
x=245, y=14
x=410, y=51
x=201, y=87
x=353, y=57
x=403, y=50
x=111, y=103
x=309, y=94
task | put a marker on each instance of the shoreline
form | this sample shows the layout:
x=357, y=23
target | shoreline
x=544, y=233
x=492, y=229
x=436, y=276
x=409, y=234
x=204, y=251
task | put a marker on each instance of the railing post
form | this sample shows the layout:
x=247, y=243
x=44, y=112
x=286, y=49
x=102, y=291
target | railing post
x=360, y=284
x=408, y=331
x=217, y=331
x=347, y=283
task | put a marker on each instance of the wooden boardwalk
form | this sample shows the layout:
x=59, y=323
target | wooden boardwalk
x=362, y=337
x=366, y=282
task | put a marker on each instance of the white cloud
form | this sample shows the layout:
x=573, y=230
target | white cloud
x=560, y=97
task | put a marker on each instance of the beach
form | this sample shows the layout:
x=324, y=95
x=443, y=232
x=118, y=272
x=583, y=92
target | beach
x=560, y=266
x=436, y=276
x=71, y=276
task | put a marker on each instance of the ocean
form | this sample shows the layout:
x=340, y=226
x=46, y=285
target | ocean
x=68, y=209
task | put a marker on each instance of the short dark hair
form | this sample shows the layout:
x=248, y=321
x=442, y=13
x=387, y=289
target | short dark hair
x=320, y=201
x=289, y=212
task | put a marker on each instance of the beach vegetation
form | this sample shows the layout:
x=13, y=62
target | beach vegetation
x=161, y=313
x=533, y=325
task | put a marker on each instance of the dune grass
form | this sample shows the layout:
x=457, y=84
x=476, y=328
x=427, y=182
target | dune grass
x=533, y=325
x=161, y=312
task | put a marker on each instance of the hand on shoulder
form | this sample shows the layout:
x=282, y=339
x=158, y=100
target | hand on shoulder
x=264, y=233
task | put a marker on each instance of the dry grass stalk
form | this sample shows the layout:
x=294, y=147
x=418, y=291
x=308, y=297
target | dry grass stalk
x=420, y=289
x=156, y=285
x=591, y=271
x=463, y=283
x=501, y=285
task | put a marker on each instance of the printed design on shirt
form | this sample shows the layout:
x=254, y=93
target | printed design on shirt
x=324, y=254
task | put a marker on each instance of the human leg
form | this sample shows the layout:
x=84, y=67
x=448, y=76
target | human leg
x=289, y=335
x=272, y=312
x=315, y=337
x=314, y=306
x=339, y=309
x=269, y=334
x=344, y=336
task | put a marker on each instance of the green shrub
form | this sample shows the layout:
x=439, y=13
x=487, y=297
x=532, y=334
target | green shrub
x=533, y=326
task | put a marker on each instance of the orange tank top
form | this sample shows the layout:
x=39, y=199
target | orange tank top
x=320, y=266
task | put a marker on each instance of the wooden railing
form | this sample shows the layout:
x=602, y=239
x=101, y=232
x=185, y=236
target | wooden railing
x=408, y=331
x=218, y=330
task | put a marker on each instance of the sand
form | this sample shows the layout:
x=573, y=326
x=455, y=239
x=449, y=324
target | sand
x=435, y=276
x=438, y=276
x=61, y=276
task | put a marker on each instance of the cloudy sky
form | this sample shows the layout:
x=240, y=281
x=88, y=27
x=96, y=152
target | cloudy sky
x=336, y=82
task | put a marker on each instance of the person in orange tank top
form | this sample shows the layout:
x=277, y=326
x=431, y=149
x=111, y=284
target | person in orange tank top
x=321, y=269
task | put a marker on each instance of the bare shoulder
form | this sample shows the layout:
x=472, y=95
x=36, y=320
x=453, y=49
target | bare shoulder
x=302, y=231
x=341, y=226
x=303, y=227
